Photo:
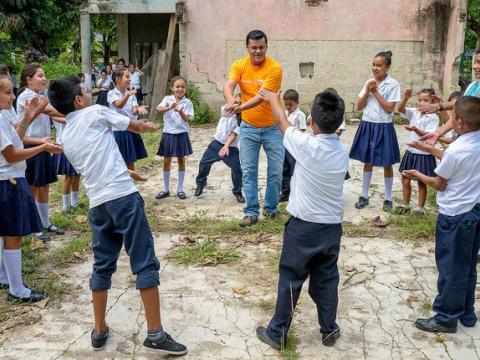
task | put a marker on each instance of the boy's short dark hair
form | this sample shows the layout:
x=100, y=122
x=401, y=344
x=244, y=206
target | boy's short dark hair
x=455, y=95
x=467, y=108
x=256, y=35
x=291, y=95
x=332, y=90
x=328, y=110
x=62, y=93
x=430, y=91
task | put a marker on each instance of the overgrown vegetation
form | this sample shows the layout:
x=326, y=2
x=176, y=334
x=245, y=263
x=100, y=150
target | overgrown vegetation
x=204, y=253
x=202, y=112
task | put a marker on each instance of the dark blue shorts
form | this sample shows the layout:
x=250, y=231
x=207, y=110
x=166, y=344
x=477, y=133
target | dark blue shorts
x=122, y=222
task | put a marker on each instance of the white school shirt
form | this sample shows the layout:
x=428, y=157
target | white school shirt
x=173, y=122
x=40, y=127
x=460, y=166
x=425, y=122
x=106, y=83
x=297, y=118
x=136, y=80
x=89, y=145
x=10, y=115
x=9, y=136
x=225, y=126
x=389, y=89
x=127, y=109
x=317, y=183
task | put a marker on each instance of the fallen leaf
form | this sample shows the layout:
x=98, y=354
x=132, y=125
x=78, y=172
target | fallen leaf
x=37, y=244
x=78, y=255
x=241, y=291
x=80, y=219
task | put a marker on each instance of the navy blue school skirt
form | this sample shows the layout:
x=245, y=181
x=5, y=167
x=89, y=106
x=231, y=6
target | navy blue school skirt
x=130, y=145
x=376, y=144
x=424, y=164
x=102, y=98
x=63, y=166
x=40, y=169
x=175, y=145
x=18, y=211
x=139, y=95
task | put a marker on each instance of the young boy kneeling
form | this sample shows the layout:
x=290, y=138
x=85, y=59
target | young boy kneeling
x=116, y=215
x=457, y=237
x=311, y=240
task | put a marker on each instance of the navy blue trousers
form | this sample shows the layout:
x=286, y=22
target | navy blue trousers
x=457, y=242
x=309, y=249
x=288, y=168
x=210, y=156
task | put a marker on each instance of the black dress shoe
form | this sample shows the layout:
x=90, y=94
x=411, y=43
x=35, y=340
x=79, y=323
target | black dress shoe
x=361, y=203
x=263, y=336
x=34, y=297
x=239, y=198
x=329, y=339
x=432, y=325
x=4, y=286
x=199, y=191
x=162, y=194
x=283, y=198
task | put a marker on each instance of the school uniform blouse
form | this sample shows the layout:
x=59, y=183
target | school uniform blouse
x=127, y=109
x=173, y=122
x=40, y=127
x=105, y=84
x=225, y=127
x=297, y=118
x=425, y=122
x=9, y=136
x=136, y=80
x=389, y=89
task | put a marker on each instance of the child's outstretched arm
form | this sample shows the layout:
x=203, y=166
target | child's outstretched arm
x=120, y=103
x=403, y=103
x=437, y=182
x=224, y=151
x=422, y=146
x=278, y=113
x=387, y=106
x=163, y=109
x=142, y=126
x=13, y=154
x=33, y=108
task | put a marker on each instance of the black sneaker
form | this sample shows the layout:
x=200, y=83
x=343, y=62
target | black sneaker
x=98, y=341
x=55, y=230
x=283, y=198
x=263, y=336
x=198, y=191
x=387, y=205
x=329, y=339
x=361, y=203
x=34, y=297
x=432, y=325
x=239, y=198
x=167, y=346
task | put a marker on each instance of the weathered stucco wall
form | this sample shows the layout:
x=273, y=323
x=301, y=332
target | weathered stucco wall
x=340, y=37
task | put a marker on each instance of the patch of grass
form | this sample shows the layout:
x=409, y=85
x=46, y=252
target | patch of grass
x=431, y=196
x=72, y=251
x=203, y=253
x=266, y=305
x=426, y=306
x=414, y=227
x=289, y=352
x=151, y=141
x=273, y=259
x=361, y=230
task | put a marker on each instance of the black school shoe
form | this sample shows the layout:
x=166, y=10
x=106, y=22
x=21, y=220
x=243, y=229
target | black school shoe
x=198, y=191
x=239, y=198
x=432, y=325
x=35, y=296
x=361, y=203
x=329, y=339
x=162, y=194
x=4, y=286
x=167, y=346
x=387, y=205
x=263, y=336
x=99, y=341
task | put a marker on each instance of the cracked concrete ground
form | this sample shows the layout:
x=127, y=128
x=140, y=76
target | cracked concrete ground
x=384, y=286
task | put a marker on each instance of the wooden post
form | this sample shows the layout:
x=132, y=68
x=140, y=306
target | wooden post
x=163, y=69
x=86, y=48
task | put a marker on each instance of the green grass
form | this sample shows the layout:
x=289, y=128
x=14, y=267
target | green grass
x=426, y=306
x=203, y=253
x=413, y=227
x=289, y=352
x=266, y=305
x=73, y=251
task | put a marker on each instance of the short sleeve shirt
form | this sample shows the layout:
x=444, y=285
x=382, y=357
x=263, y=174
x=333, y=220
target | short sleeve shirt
x=9, y=136
x=425, y=122
x=253, y=78
x=389, y=89
x=173, y=122
x=297, y=118
x=225, y=127
x=127, y=109
x=40, y=127
x=473, y=89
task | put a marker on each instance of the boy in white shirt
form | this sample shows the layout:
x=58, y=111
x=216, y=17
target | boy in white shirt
x=116, y=213
x=457, y=237
x=297, y=119
x=224, y=147
x=311, y=241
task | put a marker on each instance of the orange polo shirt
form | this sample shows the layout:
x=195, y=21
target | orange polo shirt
x=253, y=78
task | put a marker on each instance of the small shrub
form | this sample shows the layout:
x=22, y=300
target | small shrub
x=55, y=68
x=202, y=112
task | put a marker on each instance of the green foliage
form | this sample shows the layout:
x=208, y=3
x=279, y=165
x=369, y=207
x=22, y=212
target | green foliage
x=55, y=69
x=203, y=253
x=202, y=112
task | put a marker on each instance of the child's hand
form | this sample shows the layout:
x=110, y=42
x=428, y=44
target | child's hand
x=142, y=110
x=149, y=126
x=411, y=174
x=408, y=93
x=173, y=106
x=223, y=152
x=420, y=145
x=34, y=107
x=46, y=140
x=431, y=138
x=269, y=96
x=131, y=92
x=410, y=127
x=52, y=148
x=136, y=176
x=372, y=86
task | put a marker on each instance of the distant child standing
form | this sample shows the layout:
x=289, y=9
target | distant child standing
x=420, y=124
x=457, y=236
x=223, y=147
x=124, y=102
x=103, y=84
x=375, y=142
x=177, y=111
x=136, y=83
x=297, y=118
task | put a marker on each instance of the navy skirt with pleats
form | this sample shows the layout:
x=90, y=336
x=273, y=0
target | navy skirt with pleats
x=130, y=145
x=63, y=166
x=175, y=145
x=376, y=144
x=40, y=169
x=102, y=98
x=424, y=164
x=18, y=211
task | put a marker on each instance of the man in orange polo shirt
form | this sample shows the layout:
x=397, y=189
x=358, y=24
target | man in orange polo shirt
x=252, y=73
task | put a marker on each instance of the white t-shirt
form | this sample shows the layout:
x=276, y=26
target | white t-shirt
x=317, y=182
x=389, y=89
x=10, y=115
x=225, y=127
x=89, y=145
x=297, y=118
x=136, y=80
x=425, y=122
x=460, y=166
x=105, y=85
x=9, y=136
x=40, y=127
x=127, y=109
x=173, y=122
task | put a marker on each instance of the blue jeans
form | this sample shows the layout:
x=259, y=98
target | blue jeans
x=251, y=139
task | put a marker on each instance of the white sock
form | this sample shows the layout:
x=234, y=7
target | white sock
x=367, y=178
x=388, y=188
x=181, y=177
x=13, y=266
x=74, y=198
x=66, y=202
x=166, y=181
x=44, y=215
x=3, y=272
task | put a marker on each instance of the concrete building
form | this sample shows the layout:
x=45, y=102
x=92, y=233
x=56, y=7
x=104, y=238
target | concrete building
x=320, y=43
